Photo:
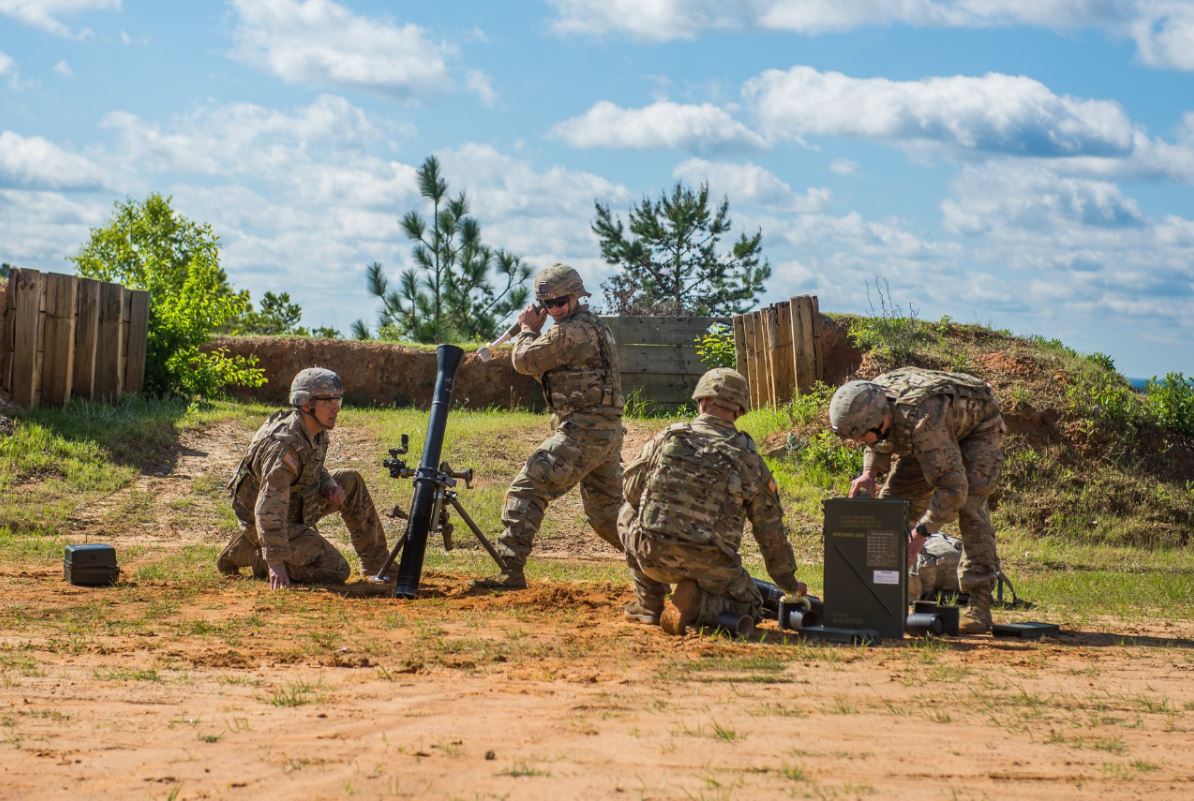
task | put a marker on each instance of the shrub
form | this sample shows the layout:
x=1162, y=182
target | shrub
x=715, y=348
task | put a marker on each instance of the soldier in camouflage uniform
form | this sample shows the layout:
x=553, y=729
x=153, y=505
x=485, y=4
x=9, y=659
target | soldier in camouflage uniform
x=576, y=361
x=687, y=497
x=948, y=433
x=282, y=489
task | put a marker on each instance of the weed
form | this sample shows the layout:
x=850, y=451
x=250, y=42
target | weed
x=294, y=694
x=522, y=769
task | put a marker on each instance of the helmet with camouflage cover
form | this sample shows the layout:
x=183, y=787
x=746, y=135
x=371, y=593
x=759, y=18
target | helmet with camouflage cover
x=557, y=281
x=725, y=387
x=856, y=408
x=315, y=383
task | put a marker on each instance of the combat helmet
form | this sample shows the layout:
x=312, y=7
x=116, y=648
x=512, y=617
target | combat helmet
x=856, y=408
x=557, y=281
x=314, y=383
x=726, y=387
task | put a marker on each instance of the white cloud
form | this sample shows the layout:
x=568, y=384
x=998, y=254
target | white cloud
x=662, y=124
x=323, y=43
x=37, y=163
x=1003, y=196
x=40, y=229
x=1164, y=33
x=995, y=112
x=750, y=183
x=63, y=69
x=657, y=20
x=9, y=71
x=44, y=14
x=480, y=85
x=843, y=166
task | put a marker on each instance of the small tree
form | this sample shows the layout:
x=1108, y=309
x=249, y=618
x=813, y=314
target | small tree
x=278, y=315
x=669, y=263
x=148, y=246
x=448, y=293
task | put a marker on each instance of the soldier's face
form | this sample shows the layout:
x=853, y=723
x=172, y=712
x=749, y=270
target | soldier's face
x=325, y=411
x=560, y=307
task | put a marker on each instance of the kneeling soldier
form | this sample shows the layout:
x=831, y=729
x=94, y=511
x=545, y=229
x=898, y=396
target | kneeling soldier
x=282, y=489
x=687, y=497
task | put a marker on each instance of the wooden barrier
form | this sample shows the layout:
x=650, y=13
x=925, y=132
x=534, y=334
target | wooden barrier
x=62, y=335
x=658, y=358
x=779, y=350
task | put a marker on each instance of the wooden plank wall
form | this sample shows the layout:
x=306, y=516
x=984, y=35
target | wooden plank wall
x=658, y=356
x=779, y=350
x=62, y=336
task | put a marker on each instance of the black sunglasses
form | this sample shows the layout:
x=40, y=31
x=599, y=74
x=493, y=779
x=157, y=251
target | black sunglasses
x=560, y=301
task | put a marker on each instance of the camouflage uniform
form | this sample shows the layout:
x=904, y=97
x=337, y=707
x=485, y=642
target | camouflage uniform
x=280, y=492
x=687, y=497
x=948, y=433
x=936, y=567
x=575, y=360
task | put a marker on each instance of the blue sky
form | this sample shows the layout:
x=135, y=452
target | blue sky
x=1020, y=163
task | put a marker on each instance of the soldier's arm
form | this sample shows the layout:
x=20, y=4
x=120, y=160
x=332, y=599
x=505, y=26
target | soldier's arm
x=536, y=354
x=634, y=477
x=936, y=448
x=875, y=463
x=279, y=470
x=767, y=523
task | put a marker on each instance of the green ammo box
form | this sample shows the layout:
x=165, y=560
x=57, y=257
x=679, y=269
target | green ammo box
x=866, y=565
x=90, y=565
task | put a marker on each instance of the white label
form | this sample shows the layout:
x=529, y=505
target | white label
x=887, y=577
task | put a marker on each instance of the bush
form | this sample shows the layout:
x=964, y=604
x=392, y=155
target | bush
x=891, y=333
x=1170, y=403
x=148, y=246
x=715, y=348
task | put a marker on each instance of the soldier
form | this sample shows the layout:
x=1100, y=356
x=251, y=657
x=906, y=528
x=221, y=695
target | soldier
x=576, y=363
x=282, y=489
x=948, y=433
x=687, y=497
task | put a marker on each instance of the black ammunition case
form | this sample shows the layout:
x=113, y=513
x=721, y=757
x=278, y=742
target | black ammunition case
x=91, y=565
x=866, y=565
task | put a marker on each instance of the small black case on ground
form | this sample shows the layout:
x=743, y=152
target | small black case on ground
x=91, y=565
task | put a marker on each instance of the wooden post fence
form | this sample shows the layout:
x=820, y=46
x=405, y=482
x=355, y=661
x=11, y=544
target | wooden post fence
x=778, y=349
x=61, y=336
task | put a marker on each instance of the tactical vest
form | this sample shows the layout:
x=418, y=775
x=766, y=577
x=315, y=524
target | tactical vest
x=911, y=385
x=695, y=493
x=304, y=494
x=594, y=383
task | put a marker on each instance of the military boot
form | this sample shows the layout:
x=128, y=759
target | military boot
x=373, y=561
x=683, y=609
x=977, y=617
x=509, y=579
x=238, y=553
x=637, y=613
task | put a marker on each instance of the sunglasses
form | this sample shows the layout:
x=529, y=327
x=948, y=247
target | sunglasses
x=554, y=302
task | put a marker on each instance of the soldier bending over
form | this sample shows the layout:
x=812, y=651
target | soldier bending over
x=282, y=489
x=948, y=432
x=576, y=361
x=687, y=497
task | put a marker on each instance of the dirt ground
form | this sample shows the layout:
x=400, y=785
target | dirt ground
x=217, y=688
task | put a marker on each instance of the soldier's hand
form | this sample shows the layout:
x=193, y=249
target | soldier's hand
x=916, y=541
x=863, y=486
x=531, y=319
x=279, y=579
x=337, y=496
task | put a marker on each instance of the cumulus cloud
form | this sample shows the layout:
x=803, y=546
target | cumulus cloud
x=662, y=124
x=656, y=20
x=994, y=113
x=37, y=163
x=323, y=43
x=1164, y=34
x=1005, y=196
x=750, y=183
x=45, y=14
x=480, y=85
x=63, y=69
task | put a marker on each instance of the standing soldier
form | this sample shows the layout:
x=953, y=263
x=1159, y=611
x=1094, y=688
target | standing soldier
x=947, y=430
x=576, y=361
x=687, y=497
x=282, y=489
